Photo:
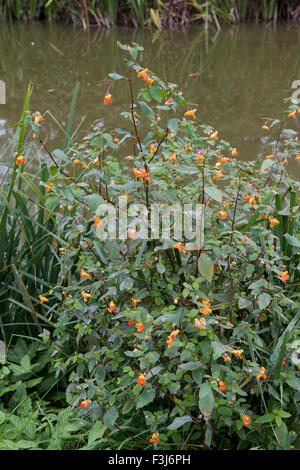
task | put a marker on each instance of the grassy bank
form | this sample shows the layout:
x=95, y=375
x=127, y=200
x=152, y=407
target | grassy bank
x=158, y=13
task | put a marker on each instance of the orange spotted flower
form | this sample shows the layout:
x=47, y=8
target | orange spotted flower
x=223, y=215
x=140, y=327
x=227, y=358
x=86, y=295
x=222, y=386
x=252, y=200
x=38, y=118
x=98, y=222
x=107, y=98
x=49, y=187
x=270, y=157
x=179, y=247
x=246, y=420
x=200, y=324
x=112, y=307
x=261, y=374
x=85, y=275
x=237, y=353
x=154, y=438
x=218, y=175
x=131, y=322
x=191, y=113
x=141, y=380
x=234, y=152
x=214, y=135
x=265, y=127
x=20, y=160
x=284, y=276
x=292, y=114
x=152, y=148
x=43, y=299
x=85, y=404
x=172, y=338
x=134, y=302
x=273, y=221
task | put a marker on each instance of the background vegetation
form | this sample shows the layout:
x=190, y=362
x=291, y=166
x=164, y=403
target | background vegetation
x=159, y=13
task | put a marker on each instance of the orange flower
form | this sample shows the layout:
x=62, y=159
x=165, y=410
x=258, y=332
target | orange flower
x=200, y=324
x=214, y=135
x=227, y=358
x=76, y=161
x=50, y=187
x=261, y=374
x=131, y=322
x=86, y=295
x=85, y=275
x=20, y=160
x=112, y=307
x=246, y=197
x=179, y=247
x=245, y=239
x=237, y=353
x=141, y=380
x=201, y=158
x=142, y=174
x=132, y=234
x=292, y=114
x=154, y=438
x=38, y=118
x=152, y=148
x=252, y=200
x=223, y=215
x=107, y=98
x=218, y=175
x=222, y=386
x=98, y=222
x=246, y=420
x=191, y=112
x=273, y=221
x=265, y=127
x=173, y=335
x=140, y=327
x=284, y=276
x=144, y=74
x=43, y=299
x=85, y=404
x=234, y=152
x=173, y=158
x=270, y=157
x=134, y=302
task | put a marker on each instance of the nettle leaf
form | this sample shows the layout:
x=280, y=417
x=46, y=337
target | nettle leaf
x=267, y=418
x=178, y=422
x=190, y=366
x=206, y=267
x=206, y=399
x=214, y=193
x=149, y=113
x=244, y=303
x=264, y=300
x=173, y=125
x=146, y=397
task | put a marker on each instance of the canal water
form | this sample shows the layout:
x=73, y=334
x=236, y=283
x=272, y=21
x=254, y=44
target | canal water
x=235, y=77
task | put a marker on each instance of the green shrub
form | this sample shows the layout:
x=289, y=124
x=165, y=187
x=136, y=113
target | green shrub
x=209, y=333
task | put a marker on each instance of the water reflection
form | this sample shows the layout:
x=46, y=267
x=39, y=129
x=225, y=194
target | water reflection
x=238, y=76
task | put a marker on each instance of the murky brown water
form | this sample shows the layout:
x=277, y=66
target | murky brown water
x=244, y=74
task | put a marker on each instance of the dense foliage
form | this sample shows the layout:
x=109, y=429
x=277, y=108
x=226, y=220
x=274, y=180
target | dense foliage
x=154, y=344
x=159, y=13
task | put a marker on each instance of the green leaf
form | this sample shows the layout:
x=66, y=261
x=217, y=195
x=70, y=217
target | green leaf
x=146, y=397
x=292, y=240
x=267, y=418
x=146, y=110
x=110, y=417
x=206, y=399
x=214, y=193
x=264, y=300
x=206, y=267
x=96, y=432
x=173, y=125
x=178, y=422
x=116, y=76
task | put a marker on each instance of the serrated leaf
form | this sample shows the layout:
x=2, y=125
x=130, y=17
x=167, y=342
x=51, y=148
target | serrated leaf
x=179, y=422
x=206, y=267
